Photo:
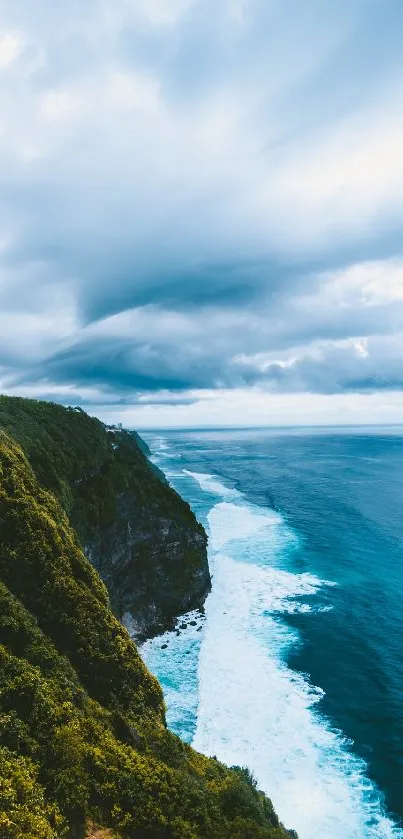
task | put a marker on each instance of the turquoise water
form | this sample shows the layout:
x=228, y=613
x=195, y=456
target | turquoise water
x=296, y=669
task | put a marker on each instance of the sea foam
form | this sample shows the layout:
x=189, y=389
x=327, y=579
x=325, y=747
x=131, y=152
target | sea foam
x=230, y=691
x=209, y=483
x=253, y=709
x=173, y=656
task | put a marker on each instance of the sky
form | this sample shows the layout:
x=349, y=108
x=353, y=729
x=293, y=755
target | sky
x=201, y=209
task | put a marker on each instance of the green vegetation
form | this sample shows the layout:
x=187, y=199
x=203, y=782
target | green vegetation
x=142, y=537
x=86, y=465
x=82, y=729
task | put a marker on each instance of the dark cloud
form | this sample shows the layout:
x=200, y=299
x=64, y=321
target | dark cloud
x=200, y=196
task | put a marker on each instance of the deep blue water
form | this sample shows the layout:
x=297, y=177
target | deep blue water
x=297, y=671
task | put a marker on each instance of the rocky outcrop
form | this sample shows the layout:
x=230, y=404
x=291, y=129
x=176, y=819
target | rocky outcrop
x=153, y=555
x=84, y=748
x=136, y=530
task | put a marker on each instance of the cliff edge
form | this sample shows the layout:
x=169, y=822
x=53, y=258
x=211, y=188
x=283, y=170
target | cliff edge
x=136, y=530
x=84, y=749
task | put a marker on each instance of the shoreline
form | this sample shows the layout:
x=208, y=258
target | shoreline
x=340, y=752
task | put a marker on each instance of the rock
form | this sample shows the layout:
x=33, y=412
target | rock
x=140, y=535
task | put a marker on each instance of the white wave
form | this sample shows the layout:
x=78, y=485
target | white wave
x=210, y=483
x=231, y=521
x=156, y=443
x=237, y=695
x=234, y=522
x=253, y=710
x=160, y=449
x=173, y=657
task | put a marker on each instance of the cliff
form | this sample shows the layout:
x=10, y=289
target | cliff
x=84, y=750
x=136, y=530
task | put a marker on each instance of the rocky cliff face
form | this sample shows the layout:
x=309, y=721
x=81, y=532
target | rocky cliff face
x=138, y=533
x=84, y=750
x=153, y=555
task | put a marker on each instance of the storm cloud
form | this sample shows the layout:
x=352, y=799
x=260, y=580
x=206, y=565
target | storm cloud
x=199, y=198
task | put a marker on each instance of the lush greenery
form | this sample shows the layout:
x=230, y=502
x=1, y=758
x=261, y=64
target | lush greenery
x=141, y=535
x=86, y=465
x=82, y=729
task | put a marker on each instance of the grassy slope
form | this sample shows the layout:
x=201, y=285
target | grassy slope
x=86, y=467
x=107, y=486
x=82, y=731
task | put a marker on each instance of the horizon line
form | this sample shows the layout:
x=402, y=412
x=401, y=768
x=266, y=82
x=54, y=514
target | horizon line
x=265, y=427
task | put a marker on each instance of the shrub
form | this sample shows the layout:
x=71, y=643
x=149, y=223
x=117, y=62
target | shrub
x=82, y=728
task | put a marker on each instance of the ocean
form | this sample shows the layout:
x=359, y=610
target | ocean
x=296, y=667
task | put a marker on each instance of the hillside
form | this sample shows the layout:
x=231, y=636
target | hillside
x=138, y=533
x=83, y=741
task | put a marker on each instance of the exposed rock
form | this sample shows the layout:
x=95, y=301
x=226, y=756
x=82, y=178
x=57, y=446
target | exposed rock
x=84, y=748
x=135, y=529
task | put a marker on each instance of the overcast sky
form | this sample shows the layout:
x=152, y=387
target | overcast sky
x=201, y=209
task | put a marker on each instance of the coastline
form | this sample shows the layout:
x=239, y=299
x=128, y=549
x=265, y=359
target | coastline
x=287, y=725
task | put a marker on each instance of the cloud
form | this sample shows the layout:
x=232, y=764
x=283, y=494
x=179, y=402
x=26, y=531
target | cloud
x=344, y=335
x=198, y=196
x=357, y=364
x=253, y=407
x=10, y=46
